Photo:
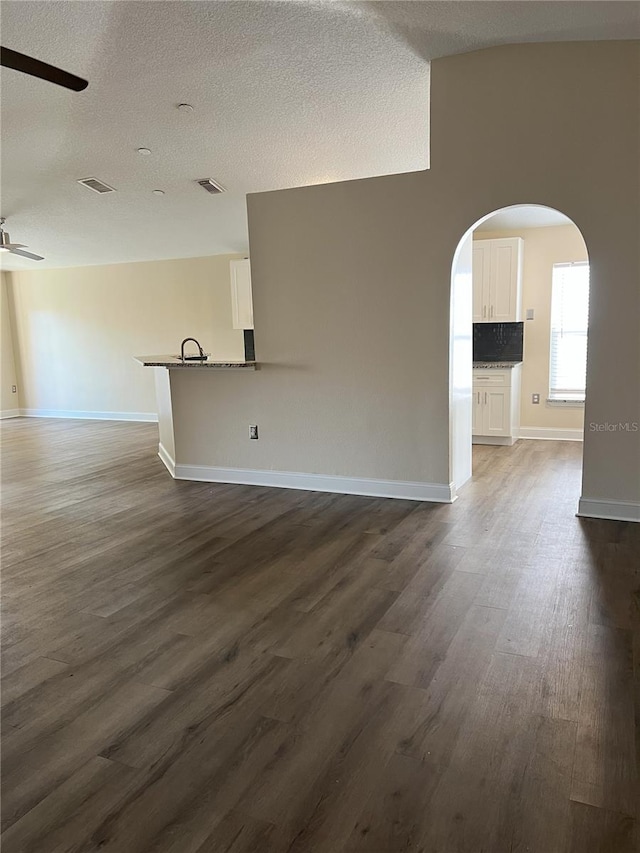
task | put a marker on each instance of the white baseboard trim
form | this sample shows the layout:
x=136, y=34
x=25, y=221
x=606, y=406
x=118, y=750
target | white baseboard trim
x=147, y=417
x=10, y=413
x=502, y=440
x=551, y=434
x=612, y=510
x=167, y=459
x=433, y=492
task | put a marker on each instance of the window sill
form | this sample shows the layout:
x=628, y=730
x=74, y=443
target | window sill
x=570, y=404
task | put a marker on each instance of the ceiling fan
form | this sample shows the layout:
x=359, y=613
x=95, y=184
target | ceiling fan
x=36, y=68
x=15, y=248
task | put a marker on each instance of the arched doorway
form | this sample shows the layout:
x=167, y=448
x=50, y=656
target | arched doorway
x=519, y=292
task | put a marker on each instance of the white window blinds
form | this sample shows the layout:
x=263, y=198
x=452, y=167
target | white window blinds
x=569, y=318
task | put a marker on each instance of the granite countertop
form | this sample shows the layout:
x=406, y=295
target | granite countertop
x=174, y=361
x=502, y=365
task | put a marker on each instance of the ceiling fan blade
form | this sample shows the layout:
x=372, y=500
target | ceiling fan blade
x=26, y=254
x=36, y=68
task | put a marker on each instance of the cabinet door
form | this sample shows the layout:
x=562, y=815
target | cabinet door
x=481, y=271
x=504, y=288
x=241, y=296
x=476, y=412
x=496, y=417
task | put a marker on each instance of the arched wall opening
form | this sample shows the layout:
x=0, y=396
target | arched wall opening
x=550, y=252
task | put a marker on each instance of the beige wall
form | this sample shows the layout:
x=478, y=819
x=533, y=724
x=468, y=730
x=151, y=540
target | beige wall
x=543, y=247
x=352, y=280
x=9, y=401
x=78, y=329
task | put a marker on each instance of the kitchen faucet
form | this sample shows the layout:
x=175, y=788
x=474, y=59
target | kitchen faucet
x=200, y=357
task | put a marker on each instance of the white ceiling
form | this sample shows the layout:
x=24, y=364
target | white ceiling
x=285, y=94
x=524, y=216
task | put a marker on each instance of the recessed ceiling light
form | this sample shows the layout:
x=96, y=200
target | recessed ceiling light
x=185, y=108
x=144, y=151
x=158, y=192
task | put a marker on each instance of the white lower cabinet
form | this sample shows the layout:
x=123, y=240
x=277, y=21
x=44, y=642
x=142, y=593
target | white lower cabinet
x=477, y=410
x=496, y=405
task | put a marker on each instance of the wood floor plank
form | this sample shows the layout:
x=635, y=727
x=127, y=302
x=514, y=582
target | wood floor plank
x=324, y=817
x=595, y=830
x=434, y=631
x=565, y=652
x=485, y=774
x=33, y=764
x=605, y=771
x=432, y=735
x=216, y=693
x=423, y=590
x=56, y=821
x=239, y=833
x=538, y=819
x=333, y=720
x=184, y=798
x=28, y=677
x=526, y=626
x=393, y=819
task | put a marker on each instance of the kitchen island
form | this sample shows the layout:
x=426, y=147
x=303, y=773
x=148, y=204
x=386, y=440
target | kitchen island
x=173, y=424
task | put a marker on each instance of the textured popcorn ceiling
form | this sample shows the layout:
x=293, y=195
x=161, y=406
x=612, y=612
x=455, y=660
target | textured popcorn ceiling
x=285, y=94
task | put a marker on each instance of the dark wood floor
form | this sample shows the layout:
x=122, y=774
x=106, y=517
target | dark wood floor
x=193, y=667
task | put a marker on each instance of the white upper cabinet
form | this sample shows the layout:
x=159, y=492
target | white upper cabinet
x=481, y=272
x=497, y=280
x=241, y=295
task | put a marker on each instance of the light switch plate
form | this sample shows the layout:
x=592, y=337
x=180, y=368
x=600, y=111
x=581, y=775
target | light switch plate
x=529, y=313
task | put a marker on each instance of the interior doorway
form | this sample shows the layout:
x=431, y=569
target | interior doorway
x=518, y=333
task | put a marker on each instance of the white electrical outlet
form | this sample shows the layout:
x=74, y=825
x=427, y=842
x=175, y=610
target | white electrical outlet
x=253, y=431
x=14, y=389
x=535, y=398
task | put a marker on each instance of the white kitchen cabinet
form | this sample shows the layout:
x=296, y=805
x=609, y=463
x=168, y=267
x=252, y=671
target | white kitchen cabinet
x=241, y=295
x=481, y=271
x=476, y=410
x=497, y=280
x=496, y=419
x=496, y=405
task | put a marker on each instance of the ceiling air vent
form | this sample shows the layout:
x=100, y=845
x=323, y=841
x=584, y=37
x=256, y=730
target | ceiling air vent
x=96, y=185
x=210, y=186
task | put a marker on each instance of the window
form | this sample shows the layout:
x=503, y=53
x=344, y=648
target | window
x=569, y=316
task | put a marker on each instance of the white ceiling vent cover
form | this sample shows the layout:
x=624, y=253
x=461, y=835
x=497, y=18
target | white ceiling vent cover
x=96, y=185
x=210, y=186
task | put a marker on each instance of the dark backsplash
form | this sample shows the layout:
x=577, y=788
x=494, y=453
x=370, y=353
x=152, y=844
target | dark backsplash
x=249, y=346
x=498, y=341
